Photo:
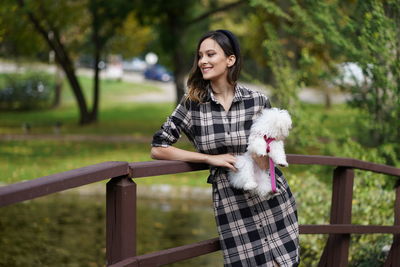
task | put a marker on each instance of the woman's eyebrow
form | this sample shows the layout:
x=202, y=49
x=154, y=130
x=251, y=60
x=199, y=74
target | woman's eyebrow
x=209, y=50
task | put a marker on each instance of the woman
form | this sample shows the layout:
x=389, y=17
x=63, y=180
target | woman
x=216, y=115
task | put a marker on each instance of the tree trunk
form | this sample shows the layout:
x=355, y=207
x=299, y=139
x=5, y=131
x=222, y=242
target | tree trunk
x=96, y=88
x=84, y=115
x=328, y=97
x=97, y=51
x=66, y=64
x=50, y=35
x=179, y=75
x=178, y=58
x=58, y=87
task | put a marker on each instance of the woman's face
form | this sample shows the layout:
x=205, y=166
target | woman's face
x=212, y=61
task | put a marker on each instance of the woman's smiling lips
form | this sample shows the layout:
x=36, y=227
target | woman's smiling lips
x=206, y=69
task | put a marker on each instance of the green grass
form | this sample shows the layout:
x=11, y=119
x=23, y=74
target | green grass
x=112, y=92
x=134, y=118
x=26, y=160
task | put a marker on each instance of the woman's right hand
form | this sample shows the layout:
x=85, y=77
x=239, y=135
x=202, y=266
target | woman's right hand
x=222, y=160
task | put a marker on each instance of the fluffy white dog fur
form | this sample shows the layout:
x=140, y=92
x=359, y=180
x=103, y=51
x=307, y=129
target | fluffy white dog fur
x=273, y=123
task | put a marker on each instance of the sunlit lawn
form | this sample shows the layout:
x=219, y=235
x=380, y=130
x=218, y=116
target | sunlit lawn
x=25, y=160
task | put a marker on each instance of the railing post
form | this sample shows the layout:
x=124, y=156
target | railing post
x=336, y=251
x=393, y=258
x=121, y=219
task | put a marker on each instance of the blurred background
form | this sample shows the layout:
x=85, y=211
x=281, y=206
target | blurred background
x=88, y=81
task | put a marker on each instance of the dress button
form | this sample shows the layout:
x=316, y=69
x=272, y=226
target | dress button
x=260, y=225
x=266, y=240
x=228, y=133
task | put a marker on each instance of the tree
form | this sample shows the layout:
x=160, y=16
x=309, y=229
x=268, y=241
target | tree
x=173, y=20
x=18, y=39
x=377, y=25
x=65, y=25
x=294, y=52
x=366, y=32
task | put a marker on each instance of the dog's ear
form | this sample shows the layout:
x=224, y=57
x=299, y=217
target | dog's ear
x=284, y=122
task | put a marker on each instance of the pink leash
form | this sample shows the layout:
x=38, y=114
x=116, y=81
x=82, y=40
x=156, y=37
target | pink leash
x=271, y=165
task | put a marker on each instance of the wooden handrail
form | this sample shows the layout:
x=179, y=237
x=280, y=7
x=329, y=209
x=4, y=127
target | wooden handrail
x=343, y=162
x=161, y=167
x=22, y=191
x=47, y=185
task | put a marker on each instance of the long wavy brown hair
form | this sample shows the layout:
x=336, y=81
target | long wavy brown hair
x=197, y=86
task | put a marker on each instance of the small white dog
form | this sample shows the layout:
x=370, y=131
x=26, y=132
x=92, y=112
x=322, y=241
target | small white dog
x=266, y=138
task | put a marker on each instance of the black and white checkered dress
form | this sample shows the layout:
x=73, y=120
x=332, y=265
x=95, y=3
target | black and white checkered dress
x=253, y=231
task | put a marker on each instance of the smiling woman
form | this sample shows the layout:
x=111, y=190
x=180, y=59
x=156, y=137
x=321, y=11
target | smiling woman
x=216, y=115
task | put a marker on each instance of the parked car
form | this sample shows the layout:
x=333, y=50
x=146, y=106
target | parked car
x=134, y=64
x=158, y=73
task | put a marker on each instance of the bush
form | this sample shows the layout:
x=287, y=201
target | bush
x=26, y=91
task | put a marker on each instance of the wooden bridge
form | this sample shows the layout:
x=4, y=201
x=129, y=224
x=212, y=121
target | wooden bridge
x=121, y=208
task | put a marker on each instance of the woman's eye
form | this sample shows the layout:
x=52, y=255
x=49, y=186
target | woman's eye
x=210, y=55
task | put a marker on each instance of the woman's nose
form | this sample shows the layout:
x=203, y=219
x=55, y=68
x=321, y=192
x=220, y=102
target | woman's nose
x=202, y=60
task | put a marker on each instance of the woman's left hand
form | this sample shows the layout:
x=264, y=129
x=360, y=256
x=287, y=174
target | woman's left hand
x=261, y=161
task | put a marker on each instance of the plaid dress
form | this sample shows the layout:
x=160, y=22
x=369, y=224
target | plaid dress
x=253, y=231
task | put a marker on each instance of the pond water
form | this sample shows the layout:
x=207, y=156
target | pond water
x=68, y=229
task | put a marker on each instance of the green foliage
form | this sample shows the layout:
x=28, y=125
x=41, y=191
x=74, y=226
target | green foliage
x=378, y=29
x=17, y=37
x=27, y=91
x=371, y=254
x=285, y=77
x=305, y=40
x=127, y=44
x=313, y=203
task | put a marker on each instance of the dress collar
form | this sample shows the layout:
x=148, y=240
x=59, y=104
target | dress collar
x=240, y=94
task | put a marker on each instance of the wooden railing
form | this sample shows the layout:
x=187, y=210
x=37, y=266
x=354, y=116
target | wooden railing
x=121, y=208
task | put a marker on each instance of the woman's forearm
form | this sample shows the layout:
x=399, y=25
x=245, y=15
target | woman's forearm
x=173, y=153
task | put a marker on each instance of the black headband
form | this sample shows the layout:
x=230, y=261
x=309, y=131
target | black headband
x=233, y=40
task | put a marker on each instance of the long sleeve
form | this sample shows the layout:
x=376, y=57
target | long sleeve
x=170, y=132
x=267, y=103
